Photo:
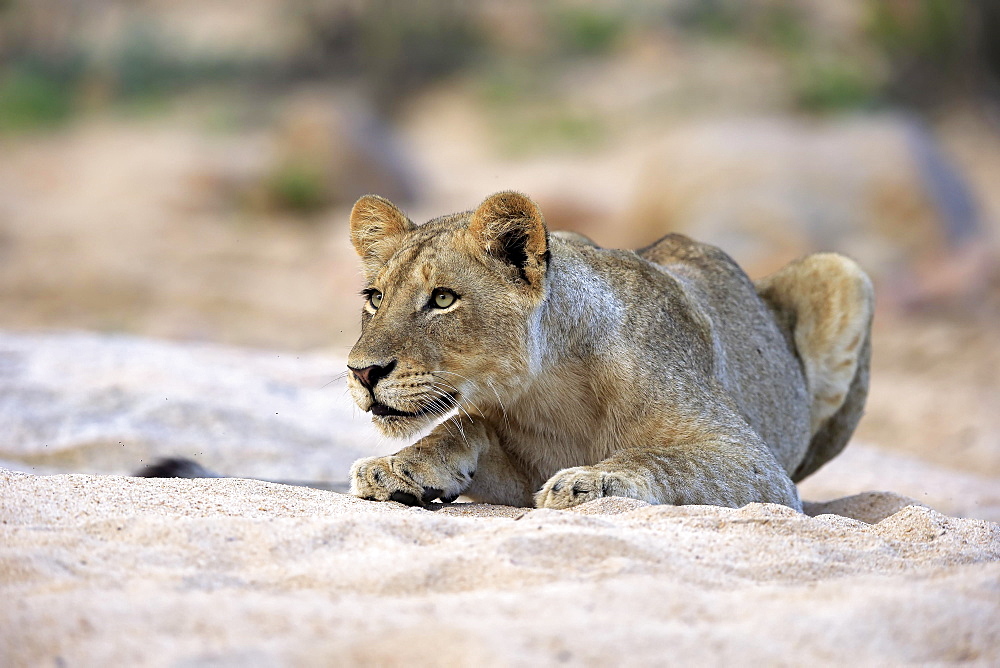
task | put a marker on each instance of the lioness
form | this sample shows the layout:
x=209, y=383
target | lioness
x=570, y=372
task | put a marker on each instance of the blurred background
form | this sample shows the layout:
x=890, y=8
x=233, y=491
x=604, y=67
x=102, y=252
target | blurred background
x=184, y=169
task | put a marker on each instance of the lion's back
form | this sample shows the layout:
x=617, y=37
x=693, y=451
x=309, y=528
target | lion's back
x=753, y=358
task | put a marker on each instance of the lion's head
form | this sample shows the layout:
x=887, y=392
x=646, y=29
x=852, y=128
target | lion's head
x=448, y=308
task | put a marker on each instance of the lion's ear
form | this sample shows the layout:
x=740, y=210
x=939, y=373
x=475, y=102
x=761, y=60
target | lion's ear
x=510, y=227
x=375, y=224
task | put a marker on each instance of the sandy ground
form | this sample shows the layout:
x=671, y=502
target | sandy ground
x=110, y=570
x=102, y=569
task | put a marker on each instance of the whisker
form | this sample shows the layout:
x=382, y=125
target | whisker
x=458, y=423
x=444, y=409
x=438, y=381
x=457, y=404
x=456, y=374
x=440, y=400
x=451, y=432
x=503, y=409
x=452, y=373
x=439, y=394
x=472, y=382
x=340, y=376
x=438, y=397
x=454, y=403
x=445, y=401
x=496, y=393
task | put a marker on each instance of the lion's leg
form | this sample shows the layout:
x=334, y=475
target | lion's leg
x=499, y=480
x=715, y=471
x=460, y=456
x=440, y=465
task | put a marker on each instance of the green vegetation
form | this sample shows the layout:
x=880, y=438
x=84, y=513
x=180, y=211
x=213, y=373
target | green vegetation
x=32, y=100
x=548, y=130
x=928, y=29
x=43, y=86
x=584, y=30
x=399, y=47
x=834, y=86
x=394, y=49
x=298, y=186
x=146, y=66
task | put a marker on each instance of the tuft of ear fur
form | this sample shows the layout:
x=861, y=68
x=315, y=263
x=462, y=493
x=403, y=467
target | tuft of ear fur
x=510, y=227
x=375, y=224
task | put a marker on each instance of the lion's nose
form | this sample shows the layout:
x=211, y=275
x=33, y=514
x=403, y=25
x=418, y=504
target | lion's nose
x=370, y=375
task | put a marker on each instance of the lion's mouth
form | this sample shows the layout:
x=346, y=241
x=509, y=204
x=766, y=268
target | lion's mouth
x=437, y=407
x=382, y=410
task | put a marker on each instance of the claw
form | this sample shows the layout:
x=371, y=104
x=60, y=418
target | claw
x=405, y=498
x=431, y=493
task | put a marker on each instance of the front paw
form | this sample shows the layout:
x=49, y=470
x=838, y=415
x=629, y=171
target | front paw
x=571, y=487
x=406, y=480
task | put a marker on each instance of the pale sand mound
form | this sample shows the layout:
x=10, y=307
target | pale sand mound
x=105, y=570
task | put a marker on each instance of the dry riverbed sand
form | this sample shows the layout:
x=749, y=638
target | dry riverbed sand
x=99, y=569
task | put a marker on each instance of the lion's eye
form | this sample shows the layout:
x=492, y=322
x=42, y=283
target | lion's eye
x=443, y=298
x=375, y=298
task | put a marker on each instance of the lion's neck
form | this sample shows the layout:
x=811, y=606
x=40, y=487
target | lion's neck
x=580, y=315
x=560, y=403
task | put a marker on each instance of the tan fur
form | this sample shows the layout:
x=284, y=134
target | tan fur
x=375, y=223
x=562, y=372
x=826, y=303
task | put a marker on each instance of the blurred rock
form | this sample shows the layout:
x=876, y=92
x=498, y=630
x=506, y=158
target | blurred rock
x=131, y=227
x=876, y=188
x=347, y=149
x=320, y=153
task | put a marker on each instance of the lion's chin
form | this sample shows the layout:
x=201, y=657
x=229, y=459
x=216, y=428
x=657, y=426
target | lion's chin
x=401, y=426
x=396, y=423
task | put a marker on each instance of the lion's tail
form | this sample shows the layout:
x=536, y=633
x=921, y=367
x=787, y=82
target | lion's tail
x=825, y=303
x=181, y=467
